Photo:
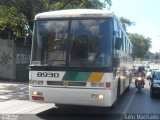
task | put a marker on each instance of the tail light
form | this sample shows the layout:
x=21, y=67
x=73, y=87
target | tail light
x=40, y=98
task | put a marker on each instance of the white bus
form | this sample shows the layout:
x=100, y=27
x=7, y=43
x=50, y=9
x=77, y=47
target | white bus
x=79, y=57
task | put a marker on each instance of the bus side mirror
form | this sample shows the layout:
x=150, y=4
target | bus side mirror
x=118, y=43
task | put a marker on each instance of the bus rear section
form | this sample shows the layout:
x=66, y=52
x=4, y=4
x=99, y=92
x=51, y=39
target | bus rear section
x=74, y=88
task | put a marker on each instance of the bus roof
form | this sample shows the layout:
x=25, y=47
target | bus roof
x=71, y=13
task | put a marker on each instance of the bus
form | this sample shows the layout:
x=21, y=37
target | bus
x=79, y=57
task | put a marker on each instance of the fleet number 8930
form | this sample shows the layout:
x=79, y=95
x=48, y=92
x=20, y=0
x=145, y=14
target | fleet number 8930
x=47, y=74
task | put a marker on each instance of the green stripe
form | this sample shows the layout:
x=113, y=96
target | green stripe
x=70, y=76
x=82, y=76
x=76, y=76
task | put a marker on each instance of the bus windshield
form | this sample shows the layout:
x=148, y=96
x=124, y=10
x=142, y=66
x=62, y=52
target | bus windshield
x=72, y=43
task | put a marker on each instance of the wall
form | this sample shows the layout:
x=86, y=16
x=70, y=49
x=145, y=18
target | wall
x=22, y=63
x=7, y=60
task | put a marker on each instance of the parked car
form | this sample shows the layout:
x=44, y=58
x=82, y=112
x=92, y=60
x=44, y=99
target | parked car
x=154, y=82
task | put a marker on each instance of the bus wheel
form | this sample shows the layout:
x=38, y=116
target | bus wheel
x=114, y=106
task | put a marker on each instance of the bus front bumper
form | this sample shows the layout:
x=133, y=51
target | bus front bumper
x=72, y=96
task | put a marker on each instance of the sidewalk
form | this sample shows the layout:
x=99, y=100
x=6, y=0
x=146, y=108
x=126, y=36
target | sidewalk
x=14, y=99
x=24, y=107
x=7, y=82
x=11, y=87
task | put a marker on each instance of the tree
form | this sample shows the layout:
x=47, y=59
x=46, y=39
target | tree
x=126, y=22
x=25, y=10
x=156, y=55
x=148, y=56
x=141, y=45
x=13, y=22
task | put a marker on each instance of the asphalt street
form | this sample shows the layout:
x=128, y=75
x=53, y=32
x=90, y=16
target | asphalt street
x=14, y=100
x=131, y=105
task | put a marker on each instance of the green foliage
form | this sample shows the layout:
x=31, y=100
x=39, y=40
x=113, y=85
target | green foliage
x=156, y=56
x=140, y=45
x=126, y=22
x=152, y=56
x=72, y=4
x=18, y=15
x=14, y=21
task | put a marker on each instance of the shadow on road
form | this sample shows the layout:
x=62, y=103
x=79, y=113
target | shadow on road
x=13, y=92
x=74, y=112
x=83, y=117
x=130, y=102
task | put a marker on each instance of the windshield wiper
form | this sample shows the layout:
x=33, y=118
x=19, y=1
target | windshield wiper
x=55, y=58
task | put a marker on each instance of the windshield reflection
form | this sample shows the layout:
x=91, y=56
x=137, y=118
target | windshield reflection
x=72, y=43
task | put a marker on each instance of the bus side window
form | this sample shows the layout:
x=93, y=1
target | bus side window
x=115, y=26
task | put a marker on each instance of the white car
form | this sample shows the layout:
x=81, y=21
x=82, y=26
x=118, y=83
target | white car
x=149, y=71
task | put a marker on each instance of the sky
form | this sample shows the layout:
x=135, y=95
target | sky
x=145, y=14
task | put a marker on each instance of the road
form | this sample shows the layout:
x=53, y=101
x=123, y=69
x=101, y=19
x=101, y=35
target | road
x=132, y=104
x=14, y=100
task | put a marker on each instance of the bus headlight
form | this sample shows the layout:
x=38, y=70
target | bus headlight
x=100, y=96
x=37, y=96
x=35, y=93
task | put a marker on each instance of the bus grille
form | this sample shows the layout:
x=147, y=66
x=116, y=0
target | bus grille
x=66, y=83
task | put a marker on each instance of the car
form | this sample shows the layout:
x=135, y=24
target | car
x=154, y=83
x=149, y=71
